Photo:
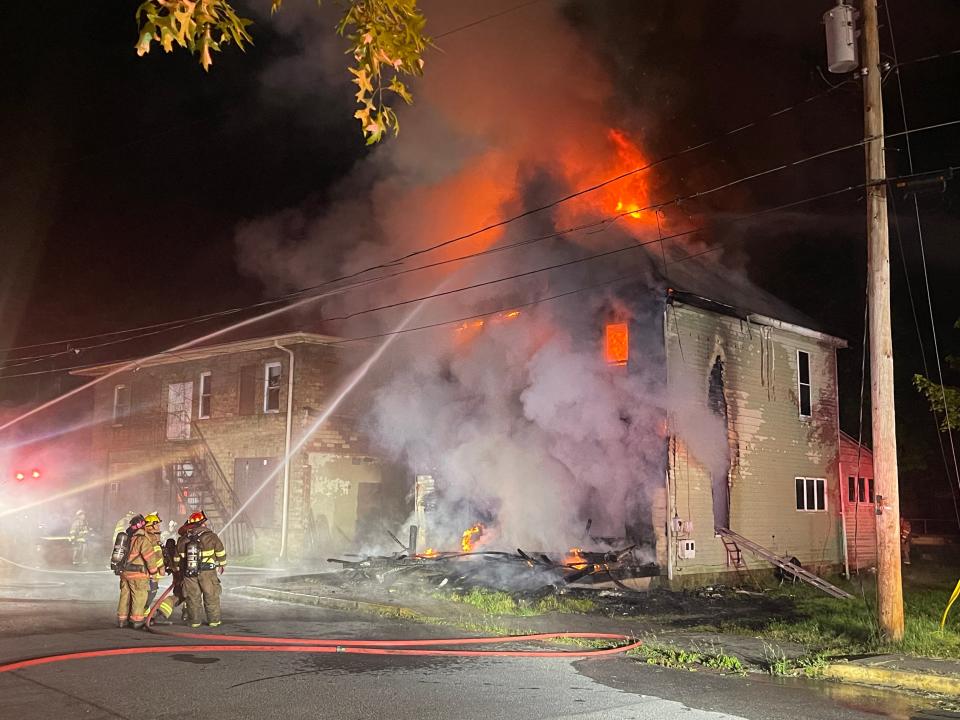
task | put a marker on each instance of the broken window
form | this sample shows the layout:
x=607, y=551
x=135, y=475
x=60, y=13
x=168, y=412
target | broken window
x=179, y=407
x=206, y=396
x=717, y=402
x=121, y=404
x=271, y=387
x=811, y=494
x=803, y=380
x=617, y=343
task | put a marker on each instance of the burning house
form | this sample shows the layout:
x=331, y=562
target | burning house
x=700, y=432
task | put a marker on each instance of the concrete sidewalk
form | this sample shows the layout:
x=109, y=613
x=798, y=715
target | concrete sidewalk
x=756, y=654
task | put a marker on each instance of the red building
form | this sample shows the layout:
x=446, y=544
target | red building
x=858, y=503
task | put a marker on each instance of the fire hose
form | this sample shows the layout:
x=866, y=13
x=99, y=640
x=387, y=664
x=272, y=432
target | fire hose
x=421, y=648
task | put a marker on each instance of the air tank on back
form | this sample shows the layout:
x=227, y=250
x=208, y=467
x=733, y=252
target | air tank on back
x=841, y=26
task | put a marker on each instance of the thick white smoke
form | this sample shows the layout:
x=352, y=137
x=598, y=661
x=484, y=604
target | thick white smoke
x=523, y=422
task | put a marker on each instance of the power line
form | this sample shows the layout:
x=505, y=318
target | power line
x=487, y=18
x=501, y=223
x=607, y=253
x=604, y=221
x=923, y=260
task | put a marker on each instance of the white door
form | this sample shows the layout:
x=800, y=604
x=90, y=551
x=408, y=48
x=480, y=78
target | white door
x=179, y=405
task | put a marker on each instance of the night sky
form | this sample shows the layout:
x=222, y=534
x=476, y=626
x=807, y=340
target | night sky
x=123, y=180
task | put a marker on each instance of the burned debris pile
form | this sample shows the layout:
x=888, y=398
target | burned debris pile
x=526, y=574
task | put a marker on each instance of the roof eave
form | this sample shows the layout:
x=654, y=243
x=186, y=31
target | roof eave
x=170, y=357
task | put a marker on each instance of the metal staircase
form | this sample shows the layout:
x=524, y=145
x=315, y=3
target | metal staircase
x=201, y=483
x=736, y=543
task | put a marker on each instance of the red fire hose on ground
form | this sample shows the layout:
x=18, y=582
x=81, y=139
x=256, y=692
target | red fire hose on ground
x=429, y=648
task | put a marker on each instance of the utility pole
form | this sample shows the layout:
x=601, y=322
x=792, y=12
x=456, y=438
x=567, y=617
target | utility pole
x=889, y=583
x=841, y=51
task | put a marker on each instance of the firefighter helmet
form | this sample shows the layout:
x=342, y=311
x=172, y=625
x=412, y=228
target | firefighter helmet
x=152, y=518
x=137, y=522
x=197, y=518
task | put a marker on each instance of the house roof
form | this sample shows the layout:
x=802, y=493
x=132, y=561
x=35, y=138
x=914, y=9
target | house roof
x=718, y=289
x=851, y=440
x=201, y=352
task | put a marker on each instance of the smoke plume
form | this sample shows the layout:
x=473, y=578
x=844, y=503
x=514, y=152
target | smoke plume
x=520, y=417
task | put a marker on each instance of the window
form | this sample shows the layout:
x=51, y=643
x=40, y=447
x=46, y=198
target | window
x=203, y=411
x=803, y=381
x=179, y=410
x=616, y=343
x=811, y=494
x=851, y=489
x=121, y=404
x=271, y=387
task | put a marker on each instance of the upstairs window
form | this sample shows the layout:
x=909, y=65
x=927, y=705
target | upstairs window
x=811, y=494
x=616, y=343
x=271, y=387
x=803, y=382
x=203, y=411
x=121, y=404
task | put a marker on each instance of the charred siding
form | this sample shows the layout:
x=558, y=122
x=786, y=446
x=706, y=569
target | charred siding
x=770, y=444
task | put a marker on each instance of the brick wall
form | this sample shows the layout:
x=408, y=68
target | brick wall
x=140, y=441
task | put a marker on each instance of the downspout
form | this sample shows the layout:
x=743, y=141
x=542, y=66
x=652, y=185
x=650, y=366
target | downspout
x=286, y=454
x=671, y=447
x=843, y=514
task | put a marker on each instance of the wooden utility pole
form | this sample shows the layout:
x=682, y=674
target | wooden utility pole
x=889, y=585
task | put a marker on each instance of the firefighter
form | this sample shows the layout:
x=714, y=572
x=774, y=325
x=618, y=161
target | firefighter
x=175, y=568
x=124, y=523
x=78, y=537
x=906, y=533
x=203, y=558
x=141, y=564
x=152, y=531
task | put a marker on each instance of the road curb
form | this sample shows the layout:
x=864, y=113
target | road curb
x=313, y=600
x=887, y=677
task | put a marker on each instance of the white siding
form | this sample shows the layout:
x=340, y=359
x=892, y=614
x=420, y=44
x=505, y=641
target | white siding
x=770, y=443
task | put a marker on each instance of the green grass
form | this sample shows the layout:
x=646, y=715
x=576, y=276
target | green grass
x=829, y=626
x=673, y=657
x=493, y=602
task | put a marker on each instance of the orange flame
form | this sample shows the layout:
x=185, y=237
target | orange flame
x=471, y=537
x=632, y=190
x=614, y=156
x=617, y=343
x=575, y=559
x=428, y=553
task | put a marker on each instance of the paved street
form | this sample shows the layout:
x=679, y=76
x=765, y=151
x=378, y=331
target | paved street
x=233, y=685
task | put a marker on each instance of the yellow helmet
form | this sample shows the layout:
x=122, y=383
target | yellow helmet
x=152, y=518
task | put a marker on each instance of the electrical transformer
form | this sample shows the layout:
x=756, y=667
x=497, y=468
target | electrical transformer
x=841, y=26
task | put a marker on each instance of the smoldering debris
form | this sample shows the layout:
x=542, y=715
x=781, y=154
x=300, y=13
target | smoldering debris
x=526, y=574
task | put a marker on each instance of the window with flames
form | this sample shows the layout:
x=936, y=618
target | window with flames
x=616, y=344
